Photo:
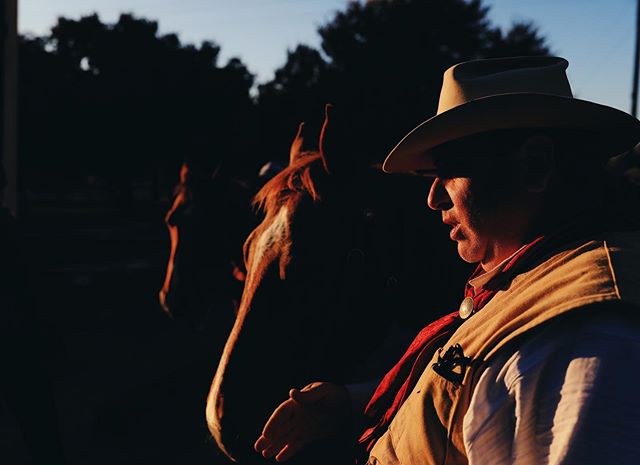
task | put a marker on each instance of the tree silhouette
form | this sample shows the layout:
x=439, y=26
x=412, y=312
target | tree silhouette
x=521, y=40
x=383, y=63
x=120, y=100
x=293, y=95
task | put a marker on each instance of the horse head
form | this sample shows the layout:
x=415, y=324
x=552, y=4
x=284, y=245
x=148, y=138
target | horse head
x=209, y=214
x=322, y=269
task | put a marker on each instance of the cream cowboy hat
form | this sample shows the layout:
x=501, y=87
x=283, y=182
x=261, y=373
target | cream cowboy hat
x=507, y=93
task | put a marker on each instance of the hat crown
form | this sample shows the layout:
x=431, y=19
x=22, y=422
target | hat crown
x=477, y=79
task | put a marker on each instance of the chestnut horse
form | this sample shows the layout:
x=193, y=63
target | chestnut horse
x=323, y=273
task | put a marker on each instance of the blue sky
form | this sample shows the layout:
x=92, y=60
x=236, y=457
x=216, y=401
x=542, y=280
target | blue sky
x=597, y=36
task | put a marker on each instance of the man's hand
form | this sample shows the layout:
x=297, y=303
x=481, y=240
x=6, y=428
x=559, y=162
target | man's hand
x=310, y=414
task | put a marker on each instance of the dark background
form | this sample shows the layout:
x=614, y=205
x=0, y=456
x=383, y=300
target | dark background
x=107, y=113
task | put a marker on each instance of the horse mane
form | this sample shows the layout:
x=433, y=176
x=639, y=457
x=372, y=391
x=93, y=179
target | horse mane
x=285, y=189
x=294, y=181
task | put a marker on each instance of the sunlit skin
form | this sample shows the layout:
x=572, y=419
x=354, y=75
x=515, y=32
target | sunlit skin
x=484, y=235
x=494, y=206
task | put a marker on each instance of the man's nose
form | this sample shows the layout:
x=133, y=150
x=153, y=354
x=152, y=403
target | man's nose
x=438, y=198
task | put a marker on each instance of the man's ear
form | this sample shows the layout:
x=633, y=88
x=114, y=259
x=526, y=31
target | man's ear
x=537, y=162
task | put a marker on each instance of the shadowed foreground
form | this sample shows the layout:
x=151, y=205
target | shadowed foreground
x=130, y=385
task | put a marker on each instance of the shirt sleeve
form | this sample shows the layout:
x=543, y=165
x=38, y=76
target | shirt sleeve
x=568, y=395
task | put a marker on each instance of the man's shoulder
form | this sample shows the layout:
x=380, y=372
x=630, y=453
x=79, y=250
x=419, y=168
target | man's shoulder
x=623, y=251
x=580, y=279
x=563, y=382
x=600, y=332
x=586, y=271
x=579, y=343
x=566, y=351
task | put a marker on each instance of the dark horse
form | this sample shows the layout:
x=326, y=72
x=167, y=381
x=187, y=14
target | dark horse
x=208, y=221
x=324, y=270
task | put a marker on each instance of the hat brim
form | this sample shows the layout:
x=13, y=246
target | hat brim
x=618, y=131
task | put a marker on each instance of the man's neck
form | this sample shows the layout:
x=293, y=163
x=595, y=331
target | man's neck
x=501, y=253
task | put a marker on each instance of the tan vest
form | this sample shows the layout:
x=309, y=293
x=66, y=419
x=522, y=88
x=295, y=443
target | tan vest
x=428, y=427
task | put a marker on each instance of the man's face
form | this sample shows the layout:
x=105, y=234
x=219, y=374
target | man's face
x=480, y=199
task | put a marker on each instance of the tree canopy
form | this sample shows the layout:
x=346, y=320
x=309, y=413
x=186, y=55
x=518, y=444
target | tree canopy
x=109, y=99
x=382, y=61
x=106, y=98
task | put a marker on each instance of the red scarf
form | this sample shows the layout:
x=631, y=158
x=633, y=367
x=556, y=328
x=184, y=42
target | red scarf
x=400, y=381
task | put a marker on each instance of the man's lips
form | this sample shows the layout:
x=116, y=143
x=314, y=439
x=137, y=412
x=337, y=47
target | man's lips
x=455, y=228
x=455, y=232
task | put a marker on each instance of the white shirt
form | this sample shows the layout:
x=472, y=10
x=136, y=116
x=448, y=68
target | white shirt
x=568, y=395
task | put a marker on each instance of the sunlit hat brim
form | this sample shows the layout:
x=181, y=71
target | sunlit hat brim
x=617, y=131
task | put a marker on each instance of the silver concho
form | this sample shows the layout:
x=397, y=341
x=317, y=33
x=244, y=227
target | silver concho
x=466, y=308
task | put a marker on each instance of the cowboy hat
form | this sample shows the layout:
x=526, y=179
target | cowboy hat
x=481, y=96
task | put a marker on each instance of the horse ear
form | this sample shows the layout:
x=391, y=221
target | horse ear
x=296, y=145
x=326, y=144
x=333, y=141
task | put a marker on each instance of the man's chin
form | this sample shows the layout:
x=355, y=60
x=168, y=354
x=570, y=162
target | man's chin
x=466, y=253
